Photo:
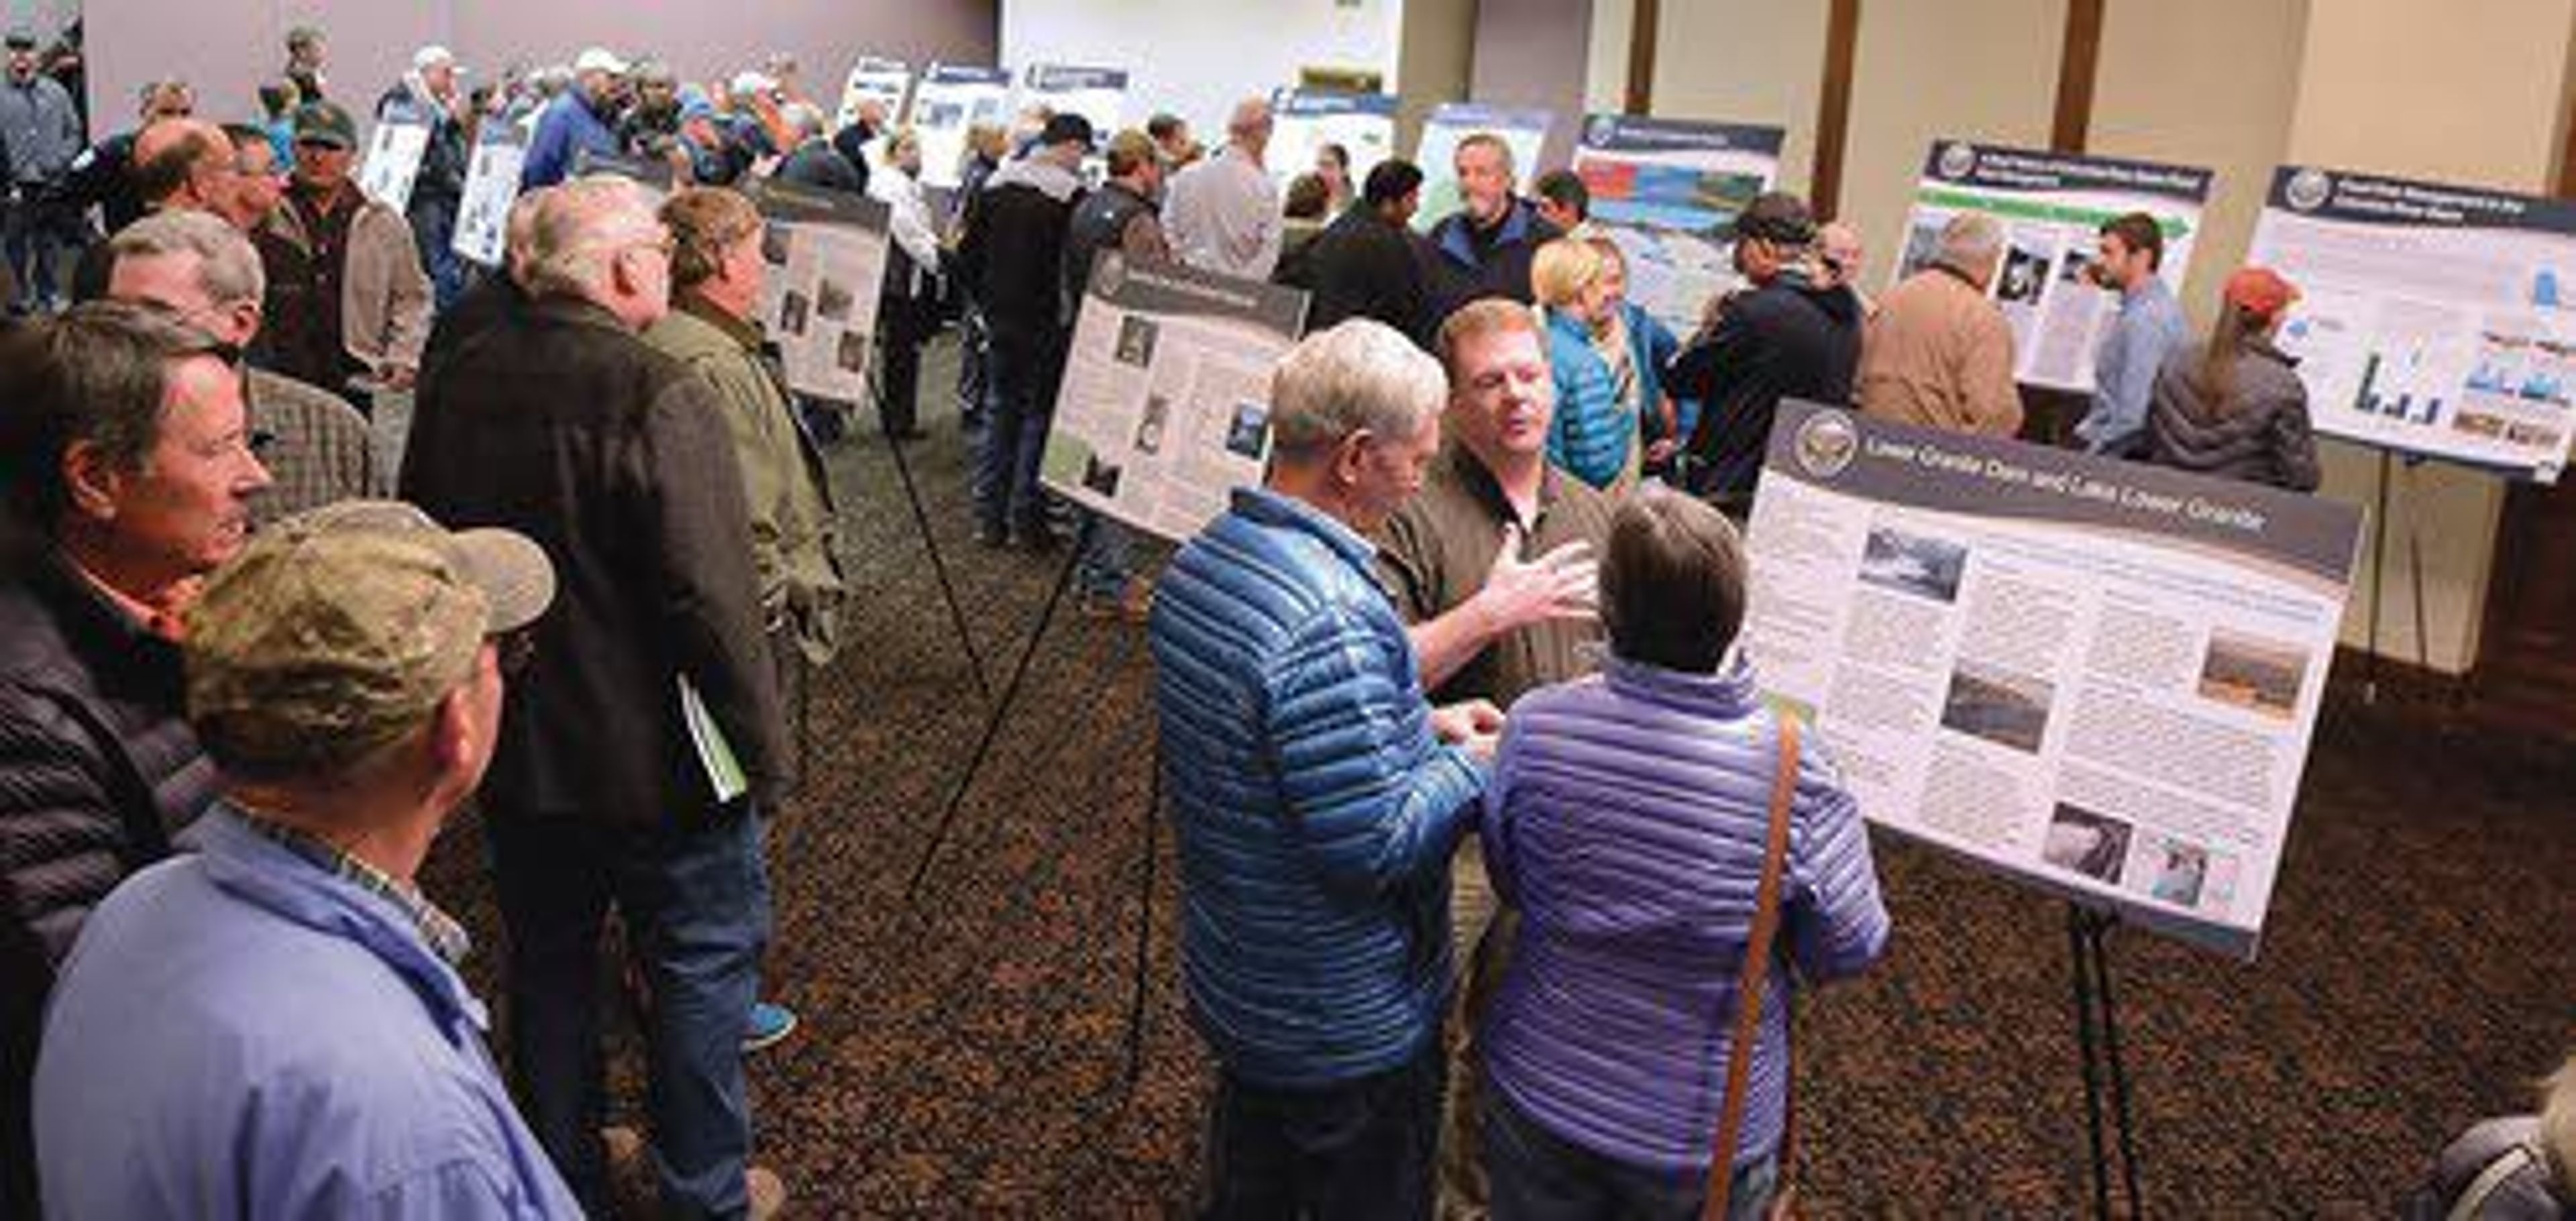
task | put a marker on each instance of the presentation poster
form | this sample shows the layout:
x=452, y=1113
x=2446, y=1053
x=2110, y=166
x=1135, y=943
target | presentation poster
x=1667, y=191
x=1097, y=94
x=826, y=252
x=2434, y=320
x=1165, y=408
x=882, y=81
x=2051, y=207
x=2095, y=676
x=394, y=152
x=950, y=99
x=491, y=186
x=1304, y=120
x=1522, y=129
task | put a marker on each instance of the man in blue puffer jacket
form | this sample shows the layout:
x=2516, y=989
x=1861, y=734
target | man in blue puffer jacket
x=1317, y=806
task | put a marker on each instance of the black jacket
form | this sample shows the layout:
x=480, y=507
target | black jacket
x=2260, y=434
x=1364, y=266
x=1467, y=264
x=852, y=143
x=1012, y=256
x=1099, y=222
x=557, y=422
x=98, y=770
x=1786, y=339
x=441, y=181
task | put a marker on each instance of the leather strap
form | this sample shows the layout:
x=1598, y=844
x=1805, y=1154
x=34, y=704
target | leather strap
x=1757, y=971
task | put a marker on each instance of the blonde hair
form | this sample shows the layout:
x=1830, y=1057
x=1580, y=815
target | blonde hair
x=1477, y=319
x=1564, y=268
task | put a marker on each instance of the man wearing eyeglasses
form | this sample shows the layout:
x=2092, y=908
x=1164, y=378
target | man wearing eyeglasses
x=126, y=475
x=318, y=448
x=558, y=421
x=348, y=303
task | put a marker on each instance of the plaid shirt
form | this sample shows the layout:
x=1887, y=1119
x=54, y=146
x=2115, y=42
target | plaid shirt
x=317, y=448
x=445, y=936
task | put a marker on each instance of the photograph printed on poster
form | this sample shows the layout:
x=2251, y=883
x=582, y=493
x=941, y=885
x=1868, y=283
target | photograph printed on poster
x=1912, y=563
x=1249, y=432
x=1998, y=705
x=2079, y=840
x=2252, y=673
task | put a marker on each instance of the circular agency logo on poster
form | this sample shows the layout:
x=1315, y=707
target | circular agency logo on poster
x=2308, y=190
x=1826, y=443
x=1957, y=160
x=1601, y=131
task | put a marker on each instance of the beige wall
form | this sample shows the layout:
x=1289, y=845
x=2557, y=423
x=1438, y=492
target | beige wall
x=1433, y=62
x=2407, y=87
x=2209, y=83
x=1744, y=61
x=1974, y=69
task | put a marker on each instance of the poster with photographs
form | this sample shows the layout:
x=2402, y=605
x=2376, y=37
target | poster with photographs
x=2433, y=320
x=951, y=99
x=1305, y=120
x=2051, y=207
x=1667, y=191
x=491, y=187
x=826, y=254
x=1165, y=408
x=882, y=81
x=1522, y=129
x=392, y=164
x=2094, y=676
x=1097, y=94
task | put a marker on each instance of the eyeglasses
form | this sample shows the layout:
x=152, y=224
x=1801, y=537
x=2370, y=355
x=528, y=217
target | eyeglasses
x=514, y=650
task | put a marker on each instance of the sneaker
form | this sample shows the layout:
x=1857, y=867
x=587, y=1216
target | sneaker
x=767, y=1025
x=768, y=1194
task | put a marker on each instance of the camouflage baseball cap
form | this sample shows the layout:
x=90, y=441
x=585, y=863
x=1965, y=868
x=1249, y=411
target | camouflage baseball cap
x=337, y=630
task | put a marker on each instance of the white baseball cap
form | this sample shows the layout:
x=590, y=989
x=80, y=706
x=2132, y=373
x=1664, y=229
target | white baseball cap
x=432, y=56
x=598, y=59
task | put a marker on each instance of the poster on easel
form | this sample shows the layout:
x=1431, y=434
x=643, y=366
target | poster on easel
x=1097, y=94
x=491, y=187
x=392, y=164
x=882, y=81
x=826, y=256
x=1303, y=121
x=1667, y=191
x=2051, y=207
x=951, y=99
x=1522, y=129
x=2436, y=321
x=2097, y=677
x=1165, y=408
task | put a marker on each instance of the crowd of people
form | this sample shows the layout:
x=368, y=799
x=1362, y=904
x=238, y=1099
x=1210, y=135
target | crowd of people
x=1488, y=839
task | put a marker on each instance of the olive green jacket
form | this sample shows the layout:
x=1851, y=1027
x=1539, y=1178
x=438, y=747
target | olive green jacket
x=790, y=498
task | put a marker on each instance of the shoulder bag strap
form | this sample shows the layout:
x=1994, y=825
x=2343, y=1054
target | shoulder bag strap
x=1757, y=969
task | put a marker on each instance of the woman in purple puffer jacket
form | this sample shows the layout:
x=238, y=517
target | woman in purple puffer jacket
x=1627, y=819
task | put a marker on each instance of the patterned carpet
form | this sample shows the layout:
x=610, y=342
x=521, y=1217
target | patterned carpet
x=966, y=1055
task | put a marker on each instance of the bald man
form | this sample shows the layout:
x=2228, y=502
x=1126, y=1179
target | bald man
x=178, y=163
x=1223, y=213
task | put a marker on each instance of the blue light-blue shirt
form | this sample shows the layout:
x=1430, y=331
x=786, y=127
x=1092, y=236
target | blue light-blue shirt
x=565, y=128
x=239, y=1032
x=2149, y=326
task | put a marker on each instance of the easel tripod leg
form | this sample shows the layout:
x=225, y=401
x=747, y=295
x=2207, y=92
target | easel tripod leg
x=1146, y=844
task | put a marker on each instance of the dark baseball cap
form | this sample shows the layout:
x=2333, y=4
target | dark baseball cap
x=325, y=123
x=22, y=39
x=1776, y=216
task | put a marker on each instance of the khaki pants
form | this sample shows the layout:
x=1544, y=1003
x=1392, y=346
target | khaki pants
x=1481, y=933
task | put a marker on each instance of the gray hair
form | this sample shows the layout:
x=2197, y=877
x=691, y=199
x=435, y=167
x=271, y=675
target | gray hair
x=1971, y=244
x=519, y=232
x=228, y=268
x=1359, y=375
x=579, y=228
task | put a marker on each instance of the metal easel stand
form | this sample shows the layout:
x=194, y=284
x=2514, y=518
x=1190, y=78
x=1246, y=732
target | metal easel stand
x=2097, y=1040
x=921, y=521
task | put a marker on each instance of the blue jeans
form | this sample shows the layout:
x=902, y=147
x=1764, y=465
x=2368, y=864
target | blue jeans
x=1536, y=1175
x=695, y=900
x=1363, y=1149
x=1021, y=372
x=1106, y=555
x=433, y=226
